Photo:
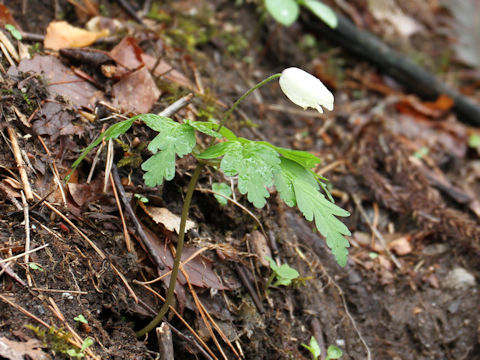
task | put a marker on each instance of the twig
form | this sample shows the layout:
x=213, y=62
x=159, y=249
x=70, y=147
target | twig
x=165, y=343
x=245, y=281
x=184, y=322
x=23, y=254
x=176, y=106
x=53, y=168
x=377, y=233
x=27, y=237
x=128, y=8
x=128, y=241
x=10, y=195
x=20, y=165
x=133, y=217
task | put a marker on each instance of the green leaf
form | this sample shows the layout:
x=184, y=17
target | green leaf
x=216, y=150
x=474, y=141
x=173, y=139
x=297, y=185
x=86, y=343
x=112, y=132
x=284, y=273
x=160, y=166
x=255, y=165
x=304, y=158
x=313, y=347
x=14, y=31
x=204, y=127
x=35, y=266
x=284, y=11
x=333, y=353
x=322, y=11
x=223, y=189
x=80, y=318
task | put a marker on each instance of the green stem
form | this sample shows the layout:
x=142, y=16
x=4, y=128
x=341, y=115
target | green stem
x=178, y=255
x=236, y=103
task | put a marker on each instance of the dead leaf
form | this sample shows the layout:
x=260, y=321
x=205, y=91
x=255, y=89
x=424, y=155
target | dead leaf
x=54, y=121
x=129, y=56
x=401, y=246
x=168, y=219
x=260, y=247
x=61, y=34
x=61, y=80
x=136, y=92
x=16, y=350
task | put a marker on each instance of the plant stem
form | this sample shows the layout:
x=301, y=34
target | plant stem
x=178, y=255
x=186, y=206
x=236, y=103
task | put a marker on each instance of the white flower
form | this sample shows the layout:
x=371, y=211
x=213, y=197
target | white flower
x=305, y=90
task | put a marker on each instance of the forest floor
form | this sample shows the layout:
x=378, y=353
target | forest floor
x=406, y=168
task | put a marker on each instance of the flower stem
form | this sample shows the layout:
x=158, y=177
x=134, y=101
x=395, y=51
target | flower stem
x=178, y=255
x=236, y=103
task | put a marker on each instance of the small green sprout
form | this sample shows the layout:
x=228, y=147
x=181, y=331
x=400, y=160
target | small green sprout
x=35, y=266
x=14, y=31
x=80, y=353
x=141, y=198
x=333, y=352
x=81, y=319
x=474, y=142
x=283, y=274
x=313, y=347
x=286, y=12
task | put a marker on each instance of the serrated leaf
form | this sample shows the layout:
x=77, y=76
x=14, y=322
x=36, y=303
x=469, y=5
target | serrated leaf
x=255, y=165
x=314, y=206
x=223, y=189
x=323, y=12
x=304, y=158
x=284, y=11
x=160, y=166
x=174, y=139
x=204, y=127
x=216, y=150
x=112, y=132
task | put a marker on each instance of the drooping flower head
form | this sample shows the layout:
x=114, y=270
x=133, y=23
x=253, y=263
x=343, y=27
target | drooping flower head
x=305, y=90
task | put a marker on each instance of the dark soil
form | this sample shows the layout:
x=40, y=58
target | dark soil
x=410, y=288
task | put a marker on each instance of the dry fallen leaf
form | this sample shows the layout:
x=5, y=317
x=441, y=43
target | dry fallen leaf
x=61, y=34
x=400, y=246
x=167, y=218
x=260, y=247
x=16, y=350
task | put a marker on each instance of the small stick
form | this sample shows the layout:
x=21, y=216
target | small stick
x=176, y=106
x=23, y=254
x=20, y=165
x=246, y=282
x=165, y=343
x=128, y=241
x=27, y=237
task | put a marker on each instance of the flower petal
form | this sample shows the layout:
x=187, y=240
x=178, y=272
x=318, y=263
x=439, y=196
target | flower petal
x=305, y=90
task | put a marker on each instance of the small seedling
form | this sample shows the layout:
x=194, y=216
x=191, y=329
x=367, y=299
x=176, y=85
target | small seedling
x=333, y=352
x=35, y=266
x=14, y=31
x=314, y=348
x=74, y=353
x=283, y=274
x=141, y=198
x=81, y=319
